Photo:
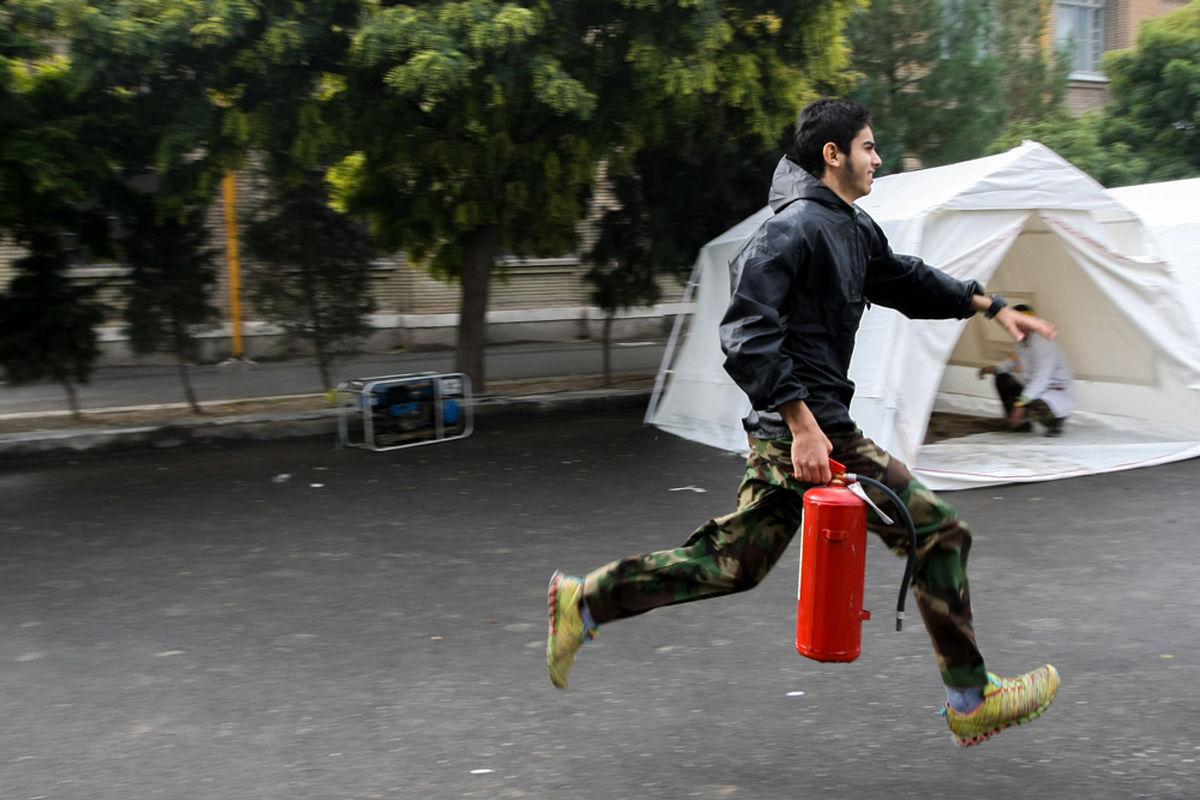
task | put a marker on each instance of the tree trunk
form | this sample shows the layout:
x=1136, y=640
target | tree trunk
x=324, y=364
x=480, y=254
x=320, y=342
x=185, y=378
x=72, y=398
x=606, y=350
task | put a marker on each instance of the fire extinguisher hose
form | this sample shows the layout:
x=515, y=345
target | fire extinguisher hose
x=912, y=541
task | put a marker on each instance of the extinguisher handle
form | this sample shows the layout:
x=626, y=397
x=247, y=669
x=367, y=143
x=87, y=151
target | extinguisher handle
x=838, y=469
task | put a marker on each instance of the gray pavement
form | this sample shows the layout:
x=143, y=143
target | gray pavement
x=288, y=620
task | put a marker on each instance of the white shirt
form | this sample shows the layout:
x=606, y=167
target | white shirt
x=1041, y=365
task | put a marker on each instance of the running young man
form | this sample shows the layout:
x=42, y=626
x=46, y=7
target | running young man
x=799, y=289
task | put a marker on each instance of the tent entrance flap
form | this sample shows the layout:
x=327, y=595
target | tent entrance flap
x=1134, y=405
x=1100, y=341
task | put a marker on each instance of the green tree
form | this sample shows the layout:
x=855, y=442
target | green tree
x=83, y=118
x=478, y=124
x=1078, y=139
x=931, y=76
x=18, y=49
x=205, y=84
x=313, y=278
x=272, y=67
x=47, y=324
x=943, y=76
x=153, y=72
x=694, y=154
x=472, y=141
x=623, y=271
x=1149, y=131
x=211, y=81
x=1034, y=78
x=171, y=276
x=58, y=162
x=1156, y=93
x=58, y=158
x=671, y=202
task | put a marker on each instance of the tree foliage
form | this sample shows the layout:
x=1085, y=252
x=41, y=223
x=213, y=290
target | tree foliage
x=471, y=139
x=182, y=88
x=942, y=78
x=929, y=78
x=171, y=277
x=1156, y=91
x=700, y=148
x=212, y=80
x=56, y=166
x=57, y=143
x=313, y=277
x=479, y=124
x=1149, y=132
x=464, y=129
x=669, y=203
x=695, y=152
x=1079, y=140
x=1034, y=77
x=47, y=324
x=467, y=129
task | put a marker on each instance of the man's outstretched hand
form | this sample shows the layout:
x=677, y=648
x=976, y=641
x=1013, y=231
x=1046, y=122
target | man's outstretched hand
x=1019, y=325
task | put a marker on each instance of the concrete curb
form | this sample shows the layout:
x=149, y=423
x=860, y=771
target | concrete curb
x=296, y=424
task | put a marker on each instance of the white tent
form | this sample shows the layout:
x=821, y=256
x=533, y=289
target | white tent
x=1171, y=210
x=1035, y=229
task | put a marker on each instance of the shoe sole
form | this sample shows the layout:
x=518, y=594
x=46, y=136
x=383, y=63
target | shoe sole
x=983, y=737
x=552, y=602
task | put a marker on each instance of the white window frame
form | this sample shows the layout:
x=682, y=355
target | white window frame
x=1080, y=23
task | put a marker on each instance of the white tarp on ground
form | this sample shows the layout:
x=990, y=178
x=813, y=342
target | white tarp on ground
x=1027, y=225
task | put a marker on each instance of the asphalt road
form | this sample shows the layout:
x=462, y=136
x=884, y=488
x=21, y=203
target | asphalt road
x=288, y=620
x=150, y=385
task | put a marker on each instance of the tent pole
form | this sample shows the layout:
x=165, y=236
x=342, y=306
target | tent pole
x=672, y=340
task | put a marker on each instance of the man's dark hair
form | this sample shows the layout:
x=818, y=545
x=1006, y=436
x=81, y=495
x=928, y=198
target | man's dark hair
x=826, y=120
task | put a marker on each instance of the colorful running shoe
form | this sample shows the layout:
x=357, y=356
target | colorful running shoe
x=1006, y=702
x=567, y=629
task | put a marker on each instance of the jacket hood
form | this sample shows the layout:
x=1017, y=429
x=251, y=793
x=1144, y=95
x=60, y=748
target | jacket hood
x=793, y=182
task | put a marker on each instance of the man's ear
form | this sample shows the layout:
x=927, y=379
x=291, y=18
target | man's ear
x=833, y=156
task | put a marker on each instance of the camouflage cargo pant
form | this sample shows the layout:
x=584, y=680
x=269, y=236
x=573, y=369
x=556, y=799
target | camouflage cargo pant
x=735, y=552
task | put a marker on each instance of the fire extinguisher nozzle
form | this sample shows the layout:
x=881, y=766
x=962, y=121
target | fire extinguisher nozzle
x=899, y=620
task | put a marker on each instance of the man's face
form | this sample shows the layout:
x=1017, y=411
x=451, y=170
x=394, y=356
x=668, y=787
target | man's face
x=861, y=163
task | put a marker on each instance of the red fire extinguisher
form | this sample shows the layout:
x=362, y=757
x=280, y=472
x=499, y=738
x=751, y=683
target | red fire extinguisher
x=833, y=566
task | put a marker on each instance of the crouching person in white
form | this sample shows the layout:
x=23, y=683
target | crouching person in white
x=1035, y=383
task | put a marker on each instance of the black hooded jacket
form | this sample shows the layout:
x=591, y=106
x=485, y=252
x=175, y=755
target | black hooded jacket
x=799, y=287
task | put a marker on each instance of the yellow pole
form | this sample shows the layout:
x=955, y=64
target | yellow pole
x=229, y=188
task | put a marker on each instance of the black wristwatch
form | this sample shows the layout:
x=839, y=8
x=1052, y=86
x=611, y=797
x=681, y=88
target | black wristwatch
x=994, y=309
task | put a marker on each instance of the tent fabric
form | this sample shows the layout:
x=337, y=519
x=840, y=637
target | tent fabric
x=1035, y=229
x=1169, y=210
